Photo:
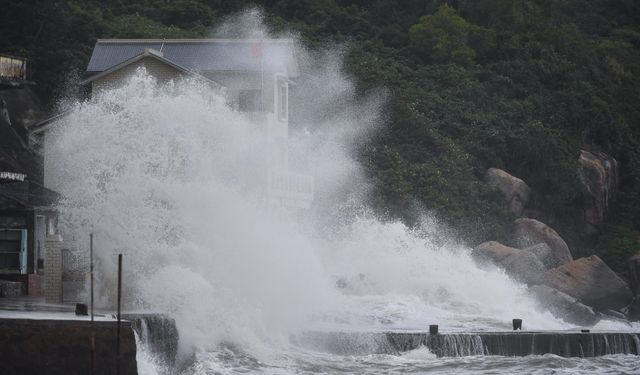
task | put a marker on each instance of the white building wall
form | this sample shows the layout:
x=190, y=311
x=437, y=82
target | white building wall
x=272, y=114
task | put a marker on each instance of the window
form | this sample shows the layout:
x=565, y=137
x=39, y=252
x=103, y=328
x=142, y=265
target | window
x=283, y=97
x=249, y=100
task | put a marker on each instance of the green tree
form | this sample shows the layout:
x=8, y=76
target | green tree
x=443, y=38
x=187, y=14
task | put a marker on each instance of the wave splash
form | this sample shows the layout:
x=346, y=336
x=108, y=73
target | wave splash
x=172, y=177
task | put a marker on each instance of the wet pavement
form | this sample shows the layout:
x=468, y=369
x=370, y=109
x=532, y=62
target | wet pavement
x=37, y=308
x=33, y=304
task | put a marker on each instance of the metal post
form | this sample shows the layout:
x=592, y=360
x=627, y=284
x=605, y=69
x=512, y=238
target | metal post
x=93, y=330
x=262, y=74
x=91, y=270
x=36, y=256
x=119, y=305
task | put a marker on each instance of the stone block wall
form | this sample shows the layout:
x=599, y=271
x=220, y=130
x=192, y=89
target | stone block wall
x=63, y=347
x=53, y=269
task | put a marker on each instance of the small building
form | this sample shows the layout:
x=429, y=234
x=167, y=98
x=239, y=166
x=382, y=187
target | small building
x=27, y=215
x=254, y=74
x=26, y=207
x=13, y=71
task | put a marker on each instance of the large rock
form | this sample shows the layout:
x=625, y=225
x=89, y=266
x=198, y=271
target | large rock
x=633, y=266
x=524, y=267
x=599, y=176
x=492, y=251
x=592, y=282
x=519, y=264
x=530, y=232
x=515, y=191
x=543, y=252
x=564, y=306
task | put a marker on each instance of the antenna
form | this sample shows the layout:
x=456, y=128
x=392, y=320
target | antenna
x=262, y=71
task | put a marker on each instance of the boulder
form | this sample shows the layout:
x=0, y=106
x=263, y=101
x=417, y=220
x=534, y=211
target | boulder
x=492, y=251
x=543, y=252
x=515, y=191
x=599, y=176
x=524, y=267
x=614, y=315
x=519, y=264
x=591, y=282
x=633, y=267
x=563, y=306
x=530, y=232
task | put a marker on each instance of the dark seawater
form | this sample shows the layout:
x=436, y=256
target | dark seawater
x=419, y=361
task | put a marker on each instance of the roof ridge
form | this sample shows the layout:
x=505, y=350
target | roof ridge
x=197, y=40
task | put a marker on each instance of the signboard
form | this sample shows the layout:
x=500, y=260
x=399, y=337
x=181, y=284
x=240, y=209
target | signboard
x=12, y=176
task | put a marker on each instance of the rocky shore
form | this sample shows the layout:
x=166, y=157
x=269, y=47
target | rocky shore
x=581, y=291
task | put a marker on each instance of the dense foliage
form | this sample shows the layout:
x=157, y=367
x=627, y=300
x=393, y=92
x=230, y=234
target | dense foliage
x=515, y=84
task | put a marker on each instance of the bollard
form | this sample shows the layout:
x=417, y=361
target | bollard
x=517, y=324
x=433, y=329
x=81, y=309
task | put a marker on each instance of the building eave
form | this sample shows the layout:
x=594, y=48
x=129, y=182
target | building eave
x=99, y=60
x=150, y=53
x=196, y=40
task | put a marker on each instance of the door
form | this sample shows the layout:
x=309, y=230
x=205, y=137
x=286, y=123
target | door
x=13, y=250
x=23, y=252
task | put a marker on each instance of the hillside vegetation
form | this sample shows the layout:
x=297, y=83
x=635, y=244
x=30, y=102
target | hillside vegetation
x=513, y=84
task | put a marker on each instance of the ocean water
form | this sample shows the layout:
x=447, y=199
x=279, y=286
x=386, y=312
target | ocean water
x=418, y=361
x=173, y=177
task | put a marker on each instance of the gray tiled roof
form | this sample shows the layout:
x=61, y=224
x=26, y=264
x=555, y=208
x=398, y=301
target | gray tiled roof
x=200, y=54
x=27, y=194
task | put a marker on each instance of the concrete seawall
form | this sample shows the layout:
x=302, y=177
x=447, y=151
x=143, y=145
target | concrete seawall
x=157, y=335
x=562, y=343
x=52, y=347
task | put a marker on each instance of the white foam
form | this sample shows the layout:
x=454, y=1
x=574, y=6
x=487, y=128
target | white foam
x=421, y=353
x=171, y=177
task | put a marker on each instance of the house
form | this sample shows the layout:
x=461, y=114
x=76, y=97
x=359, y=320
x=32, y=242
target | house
x=254, y=74
x=27, y=211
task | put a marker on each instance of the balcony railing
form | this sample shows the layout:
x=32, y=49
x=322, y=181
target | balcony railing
x=13, y=68
x=290, y=189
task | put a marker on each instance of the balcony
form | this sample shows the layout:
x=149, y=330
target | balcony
x=290, y=189
x=268, y=122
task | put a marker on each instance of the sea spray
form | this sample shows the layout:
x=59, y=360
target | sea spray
x=174, y=178
x=198, y=239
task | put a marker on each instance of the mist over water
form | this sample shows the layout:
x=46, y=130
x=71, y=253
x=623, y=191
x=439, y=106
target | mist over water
x=172, y=177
